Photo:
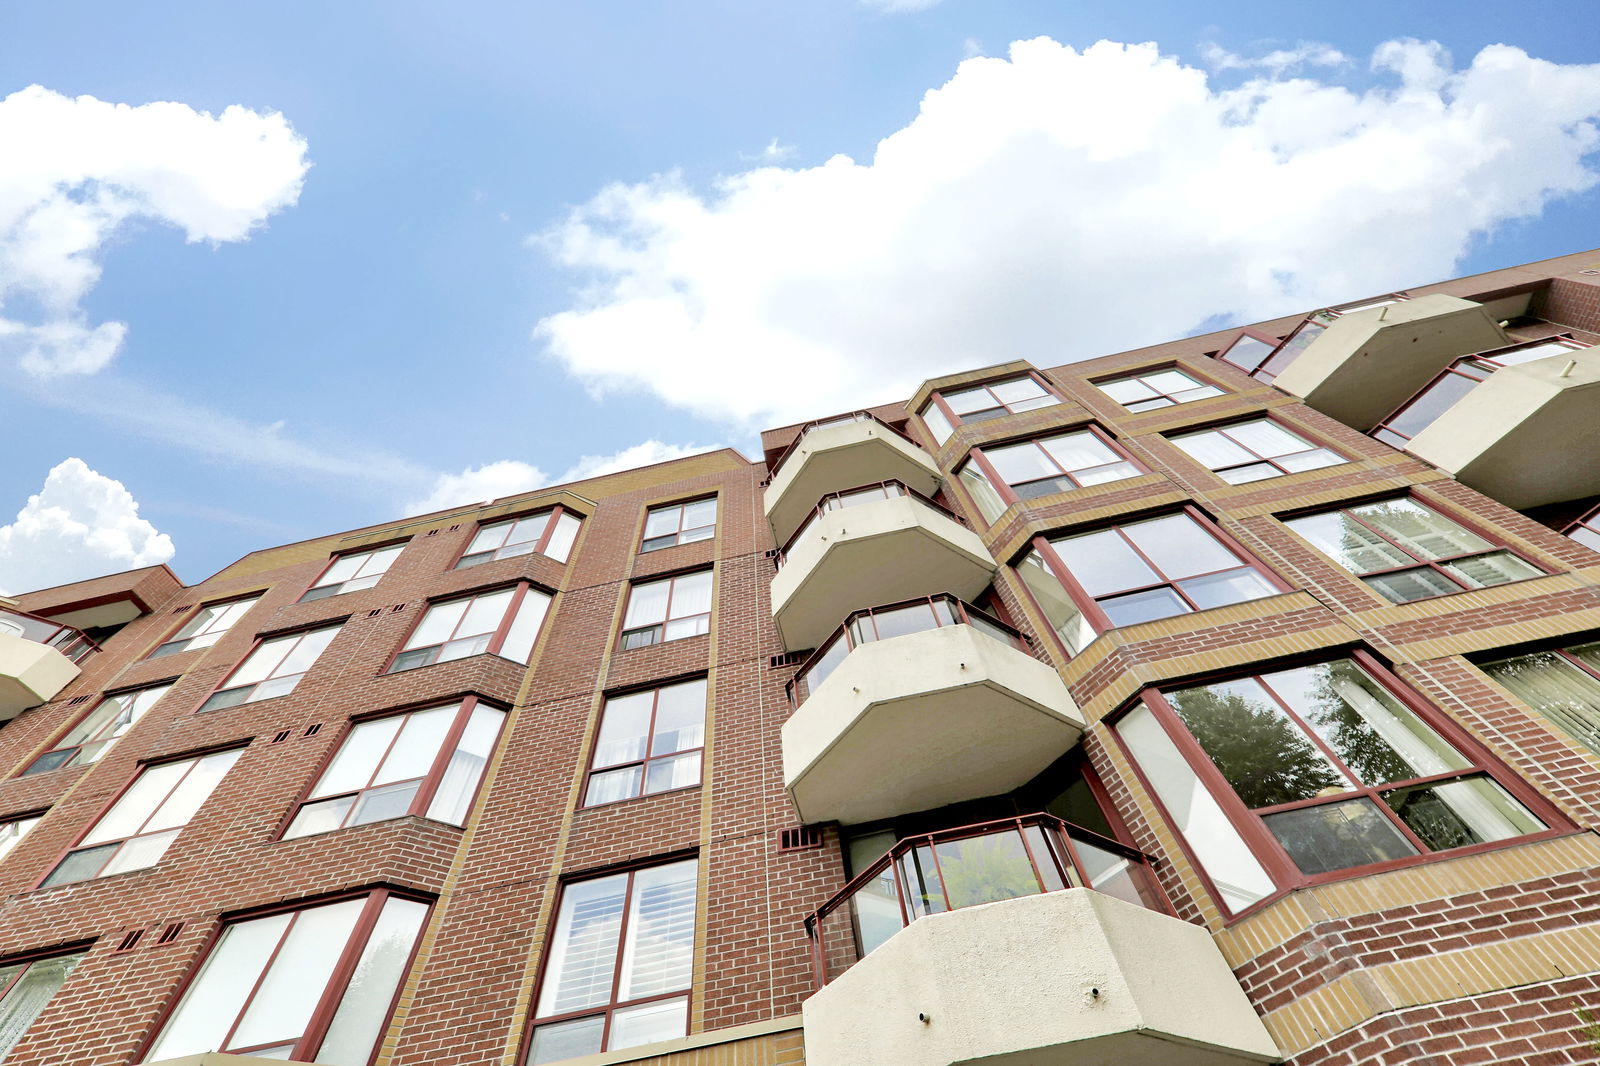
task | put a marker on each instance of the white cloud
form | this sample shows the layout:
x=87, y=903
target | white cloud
x=507, y=477
x=74, y=170
x=1304, y=54
x=1054, y=206
x=82, y=524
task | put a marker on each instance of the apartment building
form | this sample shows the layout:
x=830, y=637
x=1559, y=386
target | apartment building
x=1233, y=700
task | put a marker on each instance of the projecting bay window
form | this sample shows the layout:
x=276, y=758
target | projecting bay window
x=273, y=668
x=1155, y=389
x=669, y=609
x=619, y=965
x=999, y=475
x=145, y=819
x=13, y=830
x=503, y=622
x=1563, y=684
x=995, y=399
x=1407, y=551
x=679, y=523
x=549, y=533
x=26, y=988
x=353, y=572
x=1086, y=583
x=315, y=984
x=205, y=627
x=1302, y=774
x=1254, y=450
x=649, y=742
x=1586, y=530
x=91, y=738
x=427, y=762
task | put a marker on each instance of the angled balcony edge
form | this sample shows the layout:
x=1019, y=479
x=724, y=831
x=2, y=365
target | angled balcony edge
x=834, y=457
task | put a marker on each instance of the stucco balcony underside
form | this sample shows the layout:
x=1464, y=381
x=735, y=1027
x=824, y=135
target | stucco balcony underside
x=30, y=674
x=1529, y=435
x=833, y=458
x=921, y=721
x=1367, y=363
x=881, y=552
x=1071, y=978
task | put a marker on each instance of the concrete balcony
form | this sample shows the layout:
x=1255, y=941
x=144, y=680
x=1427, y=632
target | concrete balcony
x=838, y=454
x=922, y=719
x=1068, y=978
x=1527, y=435
x=1365, y=363
x=38, y=658
x=881, y=551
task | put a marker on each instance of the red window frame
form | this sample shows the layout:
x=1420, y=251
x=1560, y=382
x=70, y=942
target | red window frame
x=305, y=631
x=540, y=546
x=1585, y=530
x=678, y=534
x=1228, y=354
x=1000, y=408
x=339, y=979
x=644, y=762
x=659, y=628
x=1589, y=738
x=1259, y=840
x=430, y=781
x=497, y=639
x=1171, y=398
x=171, y=637
x=1270, y=460
x=1007, y=491
x=27, y=960
x=57, y=745
x=339, y=588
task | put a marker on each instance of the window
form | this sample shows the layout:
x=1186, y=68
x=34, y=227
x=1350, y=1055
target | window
x=1311, y=771
x=273, y=668
x=145, y=820
x=667, y=610
x=679, y=523
x=352, y=573
x=1453, y=383
x=1135, y=573
x=427, y=762
x=550, y=533
x=314, y=984
x=1586, y=530
x=980, y=403
x=649, y=742
x=1563, y=684
x=12, y=832
x=1040, y=467
x=25, y=989
x=504, y=622
x=1254, y=451
x=1252, y=353
x=1407, y=551
x=93, y=737
x=619, y=965
x=205, y=627
x=1158, y=388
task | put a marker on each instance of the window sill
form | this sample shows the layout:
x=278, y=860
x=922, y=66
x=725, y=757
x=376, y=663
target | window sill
x=447, y=662
x=639, y=799
x=418, y=818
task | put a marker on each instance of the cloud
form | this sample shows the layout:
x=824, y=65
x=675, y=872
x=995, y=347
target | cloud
x=82, y=524
x=74, y=170
x=507, y=477
x=1304, y=54
x=1054, y=206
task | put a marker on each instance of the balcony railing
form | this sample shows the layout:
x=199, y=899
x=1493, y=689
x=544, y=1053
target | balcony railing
x=1453, y=383
x=72, y=643
x=838, y=501
x=1265, y=363
x=894, y=620
x=824, y=423
x=955, y=868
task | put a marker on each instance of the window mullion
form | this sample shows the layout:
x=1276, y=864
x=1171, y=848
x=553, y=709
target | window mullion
x=1087, y=604
x=498, y=639
x=377, y=767
x=1310, y=733
x=255, y=987
x=159, y=803
x=339, y=979
x=1350, y=514
x=623, y=928
x=1001, y=485
x=447, y=747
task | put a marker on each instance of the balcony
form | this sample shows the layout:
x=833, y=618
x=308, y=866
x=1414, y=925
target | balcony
x=1021, y=941
x=1521, y=425
x=874, y=544
x=856, y=449
x=38, y=658
x=919, y=705
x=1357, y=366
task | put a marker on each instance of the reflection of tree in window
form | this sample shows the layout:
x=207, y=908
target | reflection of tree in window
x=1349, y=734
x=1264, y=757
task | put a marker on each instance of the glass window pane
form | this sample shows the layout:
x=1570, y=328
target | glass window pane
x=1266, y=438
x=138, y=853
x=1243, y=475
x=583, y=952
x=937, y=423
x=1078, y=451
x=457, y=789
x=968, y=400
x=437, y=624
x=1127, y=391
x=27, y=998
x=561, y=538
x=680, y=718
x=1314, y=459
x=662, y=521
x=1421, y=529
x=647, y=604
x=567, y=1040
x=488, y=537
x=1337, y=836
x=417, y=745
x=358, y=756
x=1017, y=390
x=287, y=995
x=1349, y=543
x=1103, y=562
x=1233, y=586
x=136, y=805
x=81, y=865
x=659, y=951
x=343, y=569
x=691, y=594
x=624, y=729
x=1212, y=449
x=986, y=869
x=262, y=662
x=1058, y=607
x=524, y=627
x=11, y=834
x=983, y=493
x=1017, y=463
x=192, y=791
x=320, y=817
x=609, y=786
x=1496, y=568
x=382, y=803
x=1455, y=814
x=647, y=1023
x=215, y=997
x=1259, y=749
x=364, y=1009
x=1179, y=547
x=1403, y=586
x=1556, y=689
x=1136, y=607
x=901, y=621
x=305, y=652
x=700, y=513
x=484, y=614
x=1171, y=381
x=678, y=771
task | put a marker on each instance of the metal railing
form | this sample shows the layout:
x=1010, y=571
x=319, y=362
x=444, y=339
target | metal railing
x=954, y=868
x=854, y=497
x=889, y=621
x=823, y=423
x=69, y=641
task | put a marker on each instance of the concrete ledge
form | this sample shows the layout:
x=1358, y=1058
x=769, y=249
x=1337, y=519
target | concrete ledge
x=832, y=458
x=30, y=674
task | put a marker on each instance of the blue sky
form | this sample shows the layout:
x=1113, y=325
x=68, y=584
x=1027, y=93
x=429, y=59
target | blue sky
x=373, y=328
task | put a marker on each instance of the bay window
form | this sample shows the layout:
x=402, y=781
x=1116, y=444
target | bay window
x=1407, y=551
x=315, y=984
x=503, y=622
x=1298, y=774
x=274, y=667
x=206, y=626
x=26, y=988
x=619, y=965
x=102, y=727
x=1254, y=450
x=353, y=572
x=549, y=533
x=145, y=819
x=1137, y=572
x=999, y=475
x=425, y=762
x=979, y=403
x=669, y=609
x=1563, y=684
x=679, y=523
x=1156, y=388
x=649, y=742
